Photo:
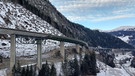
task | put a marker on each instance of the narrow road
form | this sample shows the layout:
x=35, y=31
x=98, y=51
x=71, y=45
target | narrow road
x=125, y=68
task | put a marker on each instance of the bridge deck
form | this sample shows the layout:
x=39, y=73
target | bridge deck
x=40, y=35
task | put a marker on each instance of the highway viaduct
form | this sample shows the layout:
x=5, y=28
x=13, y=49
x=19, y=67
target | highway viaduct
x=39, y=38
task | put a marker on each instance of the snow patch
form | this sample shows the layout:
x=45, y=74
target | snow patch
x=3, y=72
x=105, y=70
x=125, y=38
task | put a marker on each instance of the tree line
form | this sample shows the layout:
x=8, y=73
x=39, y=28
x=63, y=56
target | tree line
x=31, y=70
x=82, y=67
x=75, y=67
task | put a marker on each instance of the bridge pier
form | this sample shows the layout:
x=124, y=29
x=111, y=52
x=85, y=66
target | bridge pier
x=39, y=54
x=83, y=48
x=78, y=48
x=12, y=52
x=62, y=49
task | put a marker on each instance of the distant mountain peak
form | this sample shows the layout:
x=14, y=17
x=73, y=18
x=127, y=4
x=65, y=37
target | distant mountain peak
x=125, y=33
x=124, y=28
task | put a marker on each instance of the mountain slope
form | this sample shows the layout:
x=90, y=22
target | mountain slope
x=125, y=33
x=17, y=17
x=45, y=10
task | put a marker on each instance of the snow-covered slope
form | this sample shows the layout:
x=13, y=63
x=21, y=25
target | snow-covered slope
x=17, y=17
x=125, y=33
x=108, y=71
x=121, y=69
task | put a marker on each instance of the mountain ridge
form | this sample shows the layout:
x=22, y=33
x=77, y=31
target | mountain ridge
x=45, y=10
x=125, y=33
x=123, y=28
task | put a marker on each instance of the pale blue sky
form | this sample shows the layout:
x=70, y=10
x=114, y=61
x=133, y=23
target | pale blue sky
x=98, y=14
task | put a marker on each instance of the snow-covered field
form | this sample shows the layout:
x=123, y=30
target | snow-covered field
x=120, y=70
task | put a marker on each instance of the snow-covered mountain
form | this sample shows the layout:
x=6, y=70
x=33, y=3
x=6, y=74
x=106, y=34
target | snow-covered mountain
x=17, y=17
x=94, y=38
x=124, y=28
x=125, y=33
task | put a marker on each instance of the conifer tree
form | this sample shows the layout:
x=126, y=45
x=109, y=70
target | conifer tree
x=45, y=70
x=64, y=68
x=72, y=68
x=27, y=71
x=88, y=66
x=18, y=67
x=41, y=72
x=23, y=72
x=13, y=70
x=31, y=71
x=93, y=63
x=84, y=65
x=53, y=70
x=76, y=67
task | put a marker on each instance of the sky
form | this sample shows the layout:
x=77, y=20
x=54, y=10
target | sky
x=98, y=14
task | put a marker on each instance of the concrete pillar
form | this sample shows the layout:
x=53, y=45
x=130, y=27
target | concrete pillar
x=13, y=52
x=83, y=48
x=39, y=54
x=77, y=48
x=62, y=49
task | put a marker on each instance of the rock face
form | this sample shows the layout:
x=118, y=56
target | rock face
x=45, y=10
x=125, y=33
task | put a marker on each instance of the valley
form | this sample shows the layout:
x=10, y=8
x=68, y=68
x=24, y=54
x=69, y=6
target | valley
x=108, y=53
